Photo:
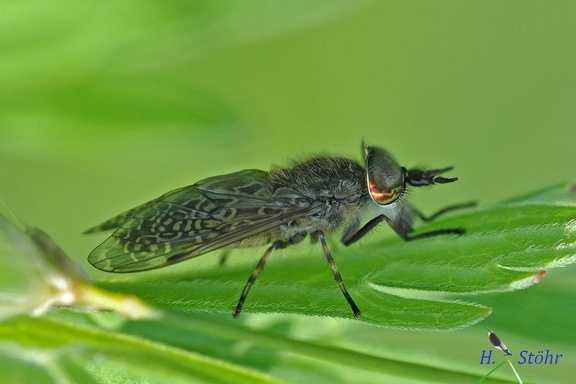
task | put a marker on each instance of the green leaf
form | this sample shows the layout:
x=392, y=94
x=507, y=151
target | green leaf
x=71, y=353
x=498, y=249
x=396, y=284
x=76, y=347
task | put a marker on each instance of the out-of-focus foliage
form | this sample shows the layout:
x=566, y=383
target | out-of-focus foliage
x=106, y=105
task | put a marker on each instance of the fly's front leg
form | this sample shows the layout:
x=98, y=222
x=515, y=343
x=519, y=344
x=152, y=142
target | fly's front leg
x=408, y=237
x=420, y=178
x=364, y=230
x=443, y=211
x=402, y=225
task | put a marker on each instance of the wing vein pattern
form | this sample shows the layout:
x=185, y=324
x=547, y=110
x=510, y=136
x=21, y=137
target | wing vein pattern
x=239, y=209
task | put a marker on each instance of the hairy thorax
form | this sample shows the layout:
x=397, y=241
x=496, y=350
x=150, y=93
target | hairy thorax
x=334, y=187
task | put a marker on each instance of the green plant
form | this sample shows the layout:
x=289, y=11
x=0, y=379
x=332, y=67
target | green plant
x=190, y=335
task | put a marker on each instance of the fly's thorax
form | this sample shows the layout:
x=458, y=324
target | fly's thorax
x=333, y=187
x=327, y=216
x=321, y=177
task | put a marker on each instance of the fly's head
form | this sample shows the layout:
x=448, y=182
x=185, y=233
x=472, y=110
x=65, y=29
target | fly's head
x=385, y=178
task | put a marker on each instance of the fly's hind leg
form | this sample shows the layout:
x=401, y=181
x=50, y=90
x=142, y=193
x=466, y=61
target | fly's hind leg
x=278, y=244
x=223, y=257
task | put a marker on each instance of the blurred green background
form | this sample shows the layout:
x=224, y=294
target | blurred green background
x=105, y=105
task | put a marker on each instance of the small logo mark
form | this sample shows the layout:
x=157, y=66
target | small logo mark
x=497, y=343
x=486, y=357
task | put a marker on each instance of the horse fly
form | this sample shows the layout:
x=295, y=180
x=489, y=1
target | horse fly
x=313, y=197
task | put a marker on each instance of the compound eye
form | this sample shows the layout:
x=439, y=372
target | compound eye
x=384, y=176
x=384, y=196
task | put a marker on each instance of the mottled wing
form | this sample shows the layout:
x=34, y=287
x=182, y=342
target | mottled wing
x=122, y=218
x=243, y=184
x=211, y=214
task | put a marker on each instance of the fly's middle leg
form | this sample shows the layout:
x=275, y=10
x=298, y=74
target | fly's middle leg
x=337, y=276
